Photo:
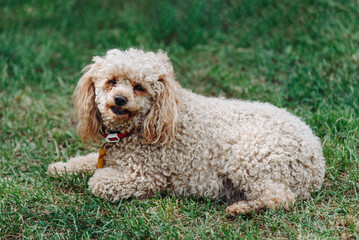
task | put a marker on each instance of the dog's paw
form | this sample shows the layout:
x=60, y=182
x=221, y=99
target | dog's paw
x=241, y=207
x=58, y=169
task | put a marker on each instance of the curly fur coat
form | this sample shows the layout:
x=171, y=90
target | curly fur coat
x=252, y=154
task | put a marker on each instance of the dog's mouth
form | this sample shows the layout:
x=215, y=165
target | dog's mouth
x=119, y=111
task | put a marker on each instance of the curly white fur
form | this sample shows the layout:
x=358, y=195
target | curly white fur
x=252, y=154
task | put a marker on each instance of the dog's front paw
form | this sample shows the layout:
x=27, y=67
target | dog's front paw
x=59, y=168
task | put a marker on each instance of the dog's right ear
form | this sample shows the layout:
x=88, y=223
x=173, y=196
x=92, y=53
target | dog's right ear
x=86, y=112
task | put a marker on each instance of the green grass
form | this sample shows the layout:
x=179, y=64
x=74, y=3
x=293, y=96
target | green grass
x=301, y=55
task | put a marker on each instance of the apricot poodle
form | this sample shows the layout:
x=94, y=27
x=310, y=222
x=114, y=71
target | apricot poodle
x=160, y=136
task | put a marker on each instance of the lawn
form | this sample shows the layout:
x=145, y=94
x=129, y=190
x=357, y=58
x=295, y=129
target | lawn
x=299, y=55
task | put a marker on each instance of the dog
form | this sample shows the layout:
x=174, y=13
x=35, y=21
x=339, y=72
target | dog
x=160, y=136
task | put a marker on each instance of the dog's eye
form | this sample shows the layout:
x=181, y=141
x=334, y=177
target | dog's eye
x=139, y=88
x=112, y=82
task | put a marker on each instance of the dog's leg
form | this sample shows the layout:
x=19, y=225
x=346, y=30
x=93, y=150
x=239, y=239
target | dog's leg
x=262, y=194
x=86, y=163
x=114, y=184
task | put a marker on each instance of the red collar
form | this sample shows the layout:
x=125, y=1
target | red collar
x=114, y=137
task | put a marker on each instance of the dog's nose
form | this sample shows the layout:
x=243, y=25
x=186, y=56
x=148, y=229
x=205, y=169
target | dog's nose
x=120, y=100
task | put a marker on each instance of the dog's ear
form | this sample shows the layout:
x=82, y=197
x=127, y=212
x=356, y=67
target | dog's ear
x=160, y=124
x=86, y=112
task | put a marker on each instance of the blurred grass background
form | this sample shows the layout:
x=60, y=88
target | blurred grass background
x=301, y=55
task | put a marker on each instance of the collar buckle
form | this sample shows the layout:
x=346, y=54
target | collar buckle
x=112, y=138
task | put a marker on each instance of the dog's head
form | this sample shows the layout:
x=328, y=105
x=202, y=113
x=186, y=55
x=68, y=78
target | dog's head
x=127, y=91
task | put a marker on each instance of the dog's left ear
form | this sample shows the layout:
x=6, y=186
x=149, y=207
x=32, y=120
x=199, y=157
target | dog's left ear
x=161, y=122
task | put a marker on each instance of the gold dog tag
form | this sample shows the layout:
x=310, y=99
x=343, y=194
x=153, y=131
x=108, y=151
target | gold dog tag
x=101, y=155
